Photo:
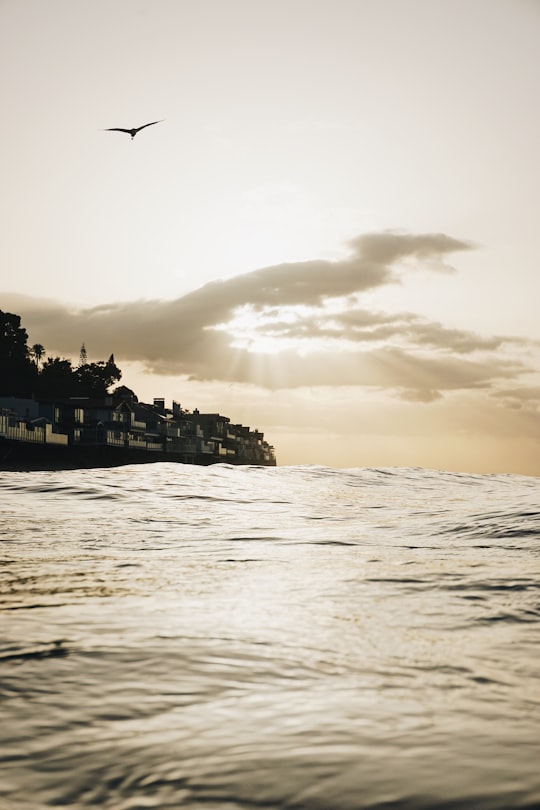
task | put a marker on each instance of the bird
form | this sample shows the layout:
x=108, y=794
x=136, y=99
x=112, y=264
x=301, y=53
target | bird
x=133, y=131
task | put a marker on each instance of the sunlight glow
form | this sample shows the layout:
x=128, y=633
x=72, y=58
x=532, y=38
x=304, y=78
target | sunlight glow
x=299, y=328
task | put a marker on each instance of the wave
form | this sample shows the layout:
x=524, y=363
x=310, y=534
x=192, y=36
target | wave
x=246, y=637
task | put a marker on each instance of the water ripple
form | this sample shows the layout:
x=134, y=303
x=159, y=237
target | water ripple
x=298, y=637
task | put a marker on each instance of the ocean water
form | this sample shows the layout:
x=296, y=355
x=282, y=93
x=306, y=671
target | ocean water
x=232, y=638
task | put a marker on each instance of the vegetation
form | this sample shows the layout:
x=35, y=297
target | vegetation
x=24, y=373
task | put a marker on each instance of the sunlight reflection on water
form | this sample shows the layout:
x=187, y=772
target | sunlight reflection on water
x=291, y=637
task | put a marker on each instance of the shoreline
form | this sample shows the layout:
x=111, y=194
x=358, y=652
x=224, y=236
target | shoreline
x=17, y=456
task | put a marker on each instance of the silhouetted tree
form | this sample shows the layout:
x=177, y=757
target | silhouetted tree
x=56, y=379
x=17, y=372
x=21, y=374
x=123, y=392
x=37, y=351
x=95, y=379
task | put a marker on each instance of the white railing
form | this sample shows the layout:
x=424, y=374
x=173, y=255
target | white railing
x=37, y=434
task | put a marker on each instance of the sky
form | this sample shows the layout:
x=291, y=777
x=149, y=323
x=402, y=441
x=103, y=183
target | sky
x=331, y=235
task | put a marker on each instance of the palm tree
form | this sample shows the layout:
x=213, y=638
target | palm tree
x=37, y=351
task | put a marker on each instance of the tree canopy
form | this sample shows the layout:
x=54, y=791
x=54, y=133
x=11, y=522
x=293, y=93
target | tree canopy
x=17, y=371
x=23, y=372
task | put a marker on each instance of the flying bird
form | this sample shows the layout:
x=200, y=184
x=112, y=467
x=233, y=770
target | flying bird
x=133, y=131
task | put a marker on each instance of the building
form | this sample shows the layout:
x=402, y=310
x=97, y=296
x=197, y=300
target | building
x=118, y=429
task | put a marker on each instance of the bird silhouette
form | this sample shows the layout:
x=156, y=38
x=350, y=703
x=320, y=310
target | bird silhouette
x=133, y=131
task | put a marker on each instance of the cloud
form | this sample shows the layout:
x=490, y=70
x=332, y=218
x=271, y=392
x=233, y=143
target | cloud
x=366, y=326
x=526, y=397
x=389, y=247
x=314, y=303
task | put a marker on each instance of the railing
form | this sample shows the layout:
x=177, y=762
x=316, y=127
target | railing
x=114, y=441
x=20, y=433
x=36, y=434
x=137, y=443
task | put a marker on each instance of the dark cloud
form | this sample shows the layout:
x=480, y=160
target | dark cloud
x=521, y=397
x=403, y=352
x=365, y=326
x=389, y=247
